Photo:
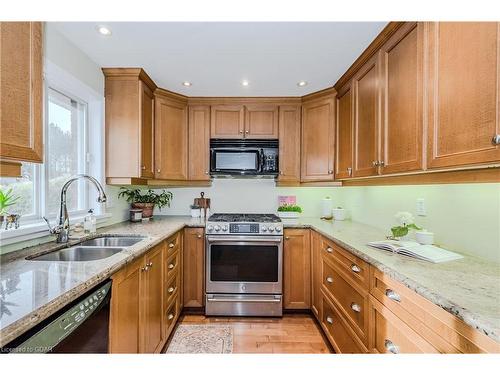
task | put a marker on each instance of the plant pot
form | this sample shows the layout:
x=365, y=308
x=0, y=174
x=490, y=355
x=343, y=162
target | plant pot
x=288, y=214
x=147, y=208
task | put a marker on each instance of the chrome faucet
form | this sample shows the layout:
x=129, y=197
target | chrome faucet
x=62, y=228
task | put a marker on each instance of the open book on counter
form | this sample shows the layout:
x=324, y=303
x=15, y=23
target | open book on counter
x=413, y=249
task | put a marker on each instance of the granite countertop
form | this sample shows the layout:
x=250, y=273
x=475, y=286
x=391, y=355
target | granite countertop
x=30, y=291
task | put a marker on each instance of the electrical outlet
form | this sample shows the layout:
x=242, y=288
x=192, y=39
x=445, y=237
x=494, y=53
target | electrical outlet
x=421, y=210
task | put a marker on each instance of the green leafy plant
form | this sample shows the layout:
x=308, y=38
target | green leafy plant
x=7, y=199
x=289, y=208
x=406, y=223
x=150, y=196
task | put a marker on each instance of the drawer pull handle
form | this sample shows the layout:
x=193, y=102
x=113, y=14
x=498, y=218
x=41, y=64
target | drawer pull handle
x=391, y=347
x=355, y=307
x=171, y=290
x=329, y=320
x=329, y=280
x=170, y=316
x=145, y=268
x=392, y=295
x=150, y=264
x=355, y=268
x=170, y=266
x=171, y=245
x=199, y=236
x=329, y=250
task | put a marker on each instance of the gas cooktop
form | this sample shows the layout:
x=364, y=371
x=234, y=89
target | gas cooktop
x=244, y=224
x=245, y=218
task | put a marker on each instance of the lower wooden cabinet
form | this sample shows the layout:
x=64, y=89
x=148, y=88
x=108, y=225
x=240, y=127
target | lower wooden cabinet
x=296, y=269
x=316, y=274
x=194, y=267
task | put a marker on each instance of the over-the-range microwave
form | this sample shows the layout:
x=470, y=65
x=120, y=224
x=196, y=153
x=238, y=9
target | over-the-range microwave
x=244, y=157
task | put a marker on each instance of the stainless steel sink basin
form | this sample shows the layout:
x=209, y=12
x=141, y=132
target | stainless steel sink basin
x=79, y=254
x=112, y=241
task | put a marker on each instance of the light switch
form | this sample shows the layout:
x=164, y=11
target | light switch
x=421, y=210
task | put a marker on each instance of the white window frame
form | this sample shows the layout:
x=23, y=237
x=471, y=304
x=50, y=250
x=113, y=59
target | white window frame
x=33, y=226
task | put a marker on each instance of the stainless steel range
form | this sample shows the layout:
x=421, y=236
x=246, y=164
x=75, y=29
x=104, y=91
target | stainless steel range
x=244, y=256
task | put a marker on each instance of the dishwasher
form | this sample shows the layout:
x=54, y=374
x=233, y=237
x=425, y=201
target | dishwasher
x=81, y=327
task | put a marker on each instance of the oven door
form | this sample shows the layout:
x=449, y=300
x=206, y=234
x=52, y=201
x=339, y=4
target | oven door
x=244, y=264
x=235, y=161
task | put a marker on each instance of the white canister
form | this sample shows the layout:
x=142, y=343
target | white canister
x=195, y=212
x=339, y=214
x=326, y=208
x=424, y=238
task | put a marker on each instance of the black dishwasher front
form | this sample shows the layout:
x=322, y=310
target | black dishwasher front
x=81, y=327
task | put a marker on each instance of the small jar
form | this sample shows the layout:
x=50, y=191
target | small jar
x=135, y=215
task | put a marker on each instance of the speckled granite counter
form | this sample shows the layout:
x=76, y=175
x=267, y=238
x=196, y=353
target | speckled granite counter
x=30, y=291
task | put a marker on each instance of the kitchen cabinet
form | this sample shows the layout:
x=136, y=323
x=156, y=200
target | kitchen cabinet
x=261, y=121
x=344, y=136
x=194, y=267
x=318, y=140
x=296, y=269
x=199, y=143
x=289, y=140
x=402, y=100
x=227, y=121
x=129, y=124
x=171, y=137
x=21, y=94
x=463, y=93
x=316, y=274
x=366, y=119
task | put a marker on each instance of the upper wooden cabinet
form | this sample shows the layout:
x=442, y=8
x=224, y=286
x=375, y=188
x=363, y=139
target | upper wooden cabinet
x=21, y=88
x=253, y=121
x=463, y=97
x=318, y=140
x=171, y=137
x=297, y=269
x=402, y=100
x=344, y=138
x=289, y=140
x=366, y=119
x=129, y=123
x=199, y=143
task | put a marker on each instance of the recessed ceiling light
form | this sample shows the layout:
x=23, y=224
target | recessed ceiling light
x=186, y=83
x=103, y=30
x=301, y=83
x=245, y=82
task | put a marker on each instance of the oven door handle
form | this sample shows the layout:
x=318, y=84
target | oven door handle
x=246, y=239
x=257, y=300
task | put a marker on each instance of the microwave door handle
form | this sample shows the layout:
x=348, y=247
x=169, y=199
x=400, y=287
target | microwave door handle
x=262, y=160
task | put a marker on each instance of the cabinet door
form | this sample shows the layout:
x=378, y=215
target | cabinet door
x=463, y=93
x=147, y=132
x=318, y=140
x=261, y=121
x=21, y=87
x=152, y=301
x=316, y=274
x=343, y=164
x=227, y=121
x=199, y=142
x=194, y=267
x=289, y=139
x=402, y=100
x=125, y=309
x=171, y=141
x=297, y=269
x=366, y=112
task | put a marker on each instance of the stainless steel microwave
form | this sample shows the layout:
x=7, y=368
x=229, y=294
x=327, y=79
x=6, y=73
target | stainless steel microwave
x=244, y=157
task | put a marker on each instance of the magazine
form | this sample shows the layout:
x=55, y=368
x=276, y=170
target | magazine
x=413, y=249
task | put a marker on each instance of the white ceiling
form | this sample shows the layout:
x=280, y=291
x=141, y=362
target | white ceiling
x=217, y=56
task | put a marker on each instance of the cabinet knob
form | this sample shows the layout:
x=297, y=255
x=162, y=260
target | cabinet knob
x=375, y=163
x=329, y=250
x=143, y=167
x=392, y=295
x=150, y=265
x=355, y=307
x=171, y=245
x=170, y=266
x=349, y=171
x=381, y=163
x=287, y=238
x=247, y=132
x=391, y=347
x=171, y=290
x=330, y=171
x=496, y=139
x=198, y=236
x=281, y=172
x=241, y=131
x=145, y=268
x=329, y=280
x=206, y=172
x=355, y=268
x=170, y=316
x=329, y=320
x=158, y=170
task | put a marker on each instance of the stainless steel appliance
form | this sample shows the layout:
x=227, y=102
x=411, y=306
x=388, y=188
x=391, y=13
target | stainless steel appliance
x=244, y=256
x=81, y=327
x=244, y=157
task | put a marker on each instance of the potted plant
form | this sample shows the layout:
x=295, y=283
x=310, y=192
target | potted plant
x=7, y=199
x=289, y=211
x=406, y=221
x=146, y=201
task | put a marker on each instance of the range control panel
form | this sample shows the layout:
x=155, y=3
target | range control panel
x=244, y=228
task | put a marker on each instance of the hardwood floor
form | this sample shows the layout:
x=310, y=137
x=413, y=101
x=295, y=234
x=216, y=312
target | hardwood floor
x=294, y=333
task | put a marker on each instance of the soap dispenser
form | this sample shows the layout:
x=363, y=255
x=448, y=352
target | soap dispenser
x=89, y=222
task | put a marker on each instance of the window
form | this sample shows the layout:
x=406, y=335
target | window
x=69, y=124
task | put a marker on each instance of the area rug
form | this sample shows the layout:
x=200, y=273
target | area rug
x=201, y=339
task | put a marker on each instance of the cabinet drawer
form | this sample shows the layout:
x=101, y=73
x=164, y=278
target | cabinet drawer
x=352, y=303
x=446, y=332
x=357, y=270
x=391, y=335
x=173, y=287
x=171, y=315
x=172, y=265
x=337, y=330
x=173, y=243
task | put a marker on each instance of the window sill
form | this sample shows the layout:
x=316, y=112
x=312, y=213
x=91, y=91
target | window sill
x=38, y=229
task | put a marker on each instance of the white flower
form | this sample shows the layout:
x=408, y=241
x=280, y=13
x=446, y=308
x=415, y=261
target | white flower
x=404, y=218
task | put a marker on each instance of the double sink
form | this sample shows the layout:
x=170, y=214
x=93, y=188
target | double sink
x=92, y=249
